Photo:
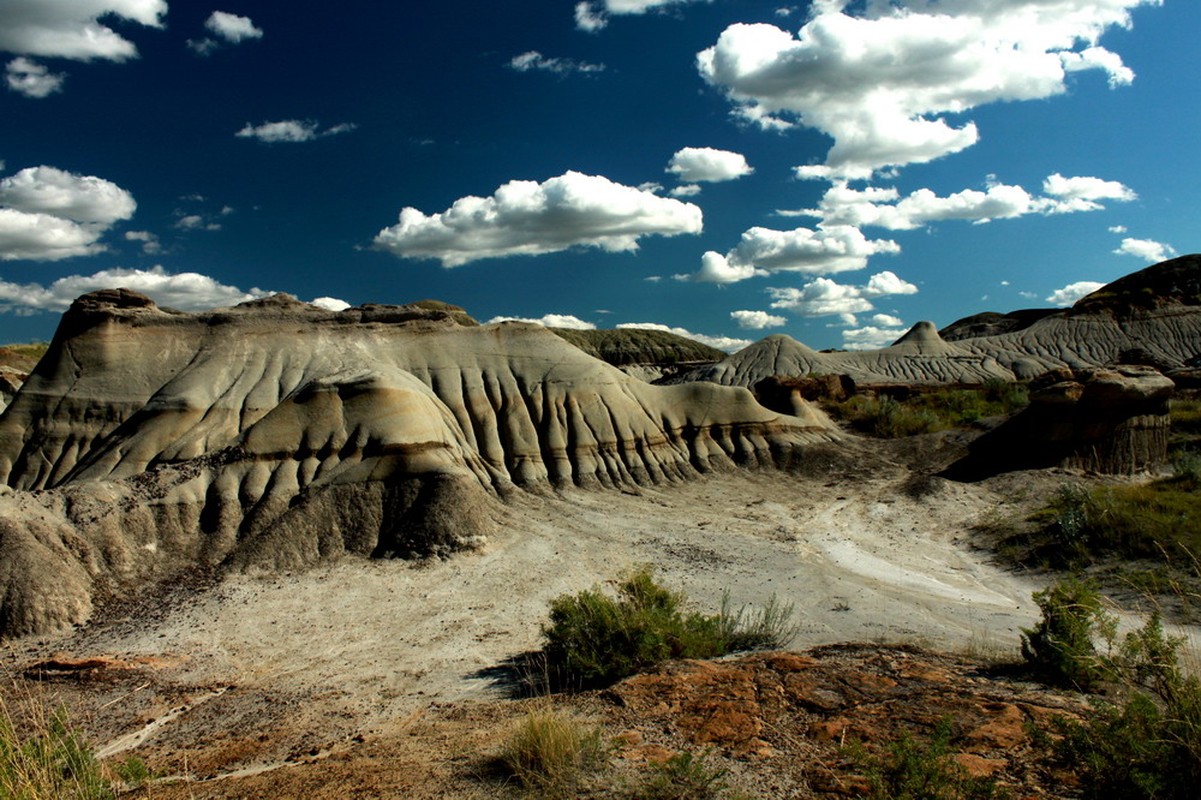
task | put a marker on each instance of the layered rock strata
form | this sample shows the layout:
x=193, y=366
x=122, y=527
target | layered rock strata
x=276, y=434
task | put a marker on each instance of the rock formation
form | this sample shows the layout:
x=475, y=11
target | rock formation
x=1102, y=420
x=1155, y=313
x=275, y=434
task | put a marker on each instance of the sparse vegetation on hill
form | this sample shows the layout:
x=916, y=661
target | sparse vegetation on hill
x=886, y=417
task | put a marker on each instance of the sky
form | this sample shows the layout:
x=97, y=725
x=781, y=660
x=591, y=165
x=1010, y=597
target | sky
x=835, y=170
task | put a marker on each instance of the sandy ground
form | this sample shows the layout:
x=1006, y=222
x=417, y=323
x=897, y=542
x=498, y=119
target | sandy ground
x=255, y=671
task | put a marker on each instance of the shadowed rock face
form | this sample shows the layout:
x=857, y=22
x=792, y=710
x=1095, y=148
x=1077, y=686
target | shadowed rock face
x=1103, y=420
x=276, y=434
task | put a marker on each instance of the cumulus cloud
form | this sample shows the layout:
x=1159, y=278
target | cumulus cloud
x=550, y=321
x=47, y=214
x=707, y=165
x=686, y=190
x=884, y=83
x=594, y=16
x=824, y=297
x=530, y=218
x=1083, y=194
x=72, y=28
x=150, y=243
x=1148, y=250
x=728, y=343
x=291, y=130
x=870, y=337
x=1072, y=292
x=187, y=291
x=535, y=61
x=828, y=249
x=885, y=208
x=228, y=28
x=26, y=76
x=756, y=320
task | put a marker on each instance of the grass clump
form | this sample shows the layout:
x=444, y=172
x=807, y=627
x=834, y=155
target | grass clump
x=594, y=640
x=47, y=760
x=922, y=769
x=928, y=412
x=552, y=754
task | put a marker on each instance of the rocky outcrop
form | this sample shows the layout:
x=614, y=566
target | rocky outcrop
x=275, y=434
x=1101, y=420
x=1152, y=316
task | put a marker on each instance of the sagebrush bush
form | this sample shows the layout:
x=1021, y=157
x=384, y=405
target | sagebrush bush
x=1146, y=745
x=1061, y=647
x=684, y=776
x=928, y=412
x=922, y=769
x=594, y=640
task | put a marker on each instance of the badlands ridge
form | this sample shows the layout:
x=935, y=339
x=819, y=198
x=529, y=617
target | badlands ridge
x=276, y=435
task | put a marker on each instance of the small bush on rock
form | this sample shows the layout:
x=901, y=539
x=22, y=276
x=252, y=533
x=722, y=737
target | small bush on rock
x=595, y=640
x=1061, y=648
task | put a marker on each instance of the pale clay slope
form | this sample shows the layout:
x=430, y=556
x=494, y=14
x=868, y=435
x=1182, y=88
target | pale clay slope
x=1170, y=335
x=277, y=434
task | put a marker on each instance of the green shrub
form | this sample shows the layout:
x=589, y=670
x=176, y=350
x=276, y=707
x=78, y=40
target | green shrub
x=928, y=412
x=916, y=769
x=1061, y=648
x=595, y=640
x=1148, y=746
x=684, y=776
x=552, y=754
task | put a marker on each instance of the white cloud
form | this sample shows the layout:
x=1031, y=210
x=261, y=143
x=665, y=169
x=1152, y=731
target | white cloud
x=550, y=321
x=887, y=320
x=705, y=164
x=824, y=297
x=72, y=28
x=1118, y=229
x=727, y=343
x=885, y=208
x=686, y=190
x=588, y=18
x=228, y=28
x=47, y=214
x=594, y=16
x=535, y=61
x=1072, y=292
x=756, y=320
x=330, y=303
x=829, y=249
x=291, y=130
x=1147, y=249
x=187, y=291
x=150, y=242
x=232, y=28
x=530, y=218
x=883, y=84
x=32, y=79
x=196, y=222
x=870, y=337
x=1083, y=194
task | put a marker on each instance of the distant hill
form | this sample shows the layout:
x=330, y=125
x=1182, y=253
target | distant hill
x=639, y=346
x=1150, y=317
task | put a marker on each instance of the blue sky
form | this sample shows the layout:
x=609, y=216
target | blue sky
x=836, y=171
